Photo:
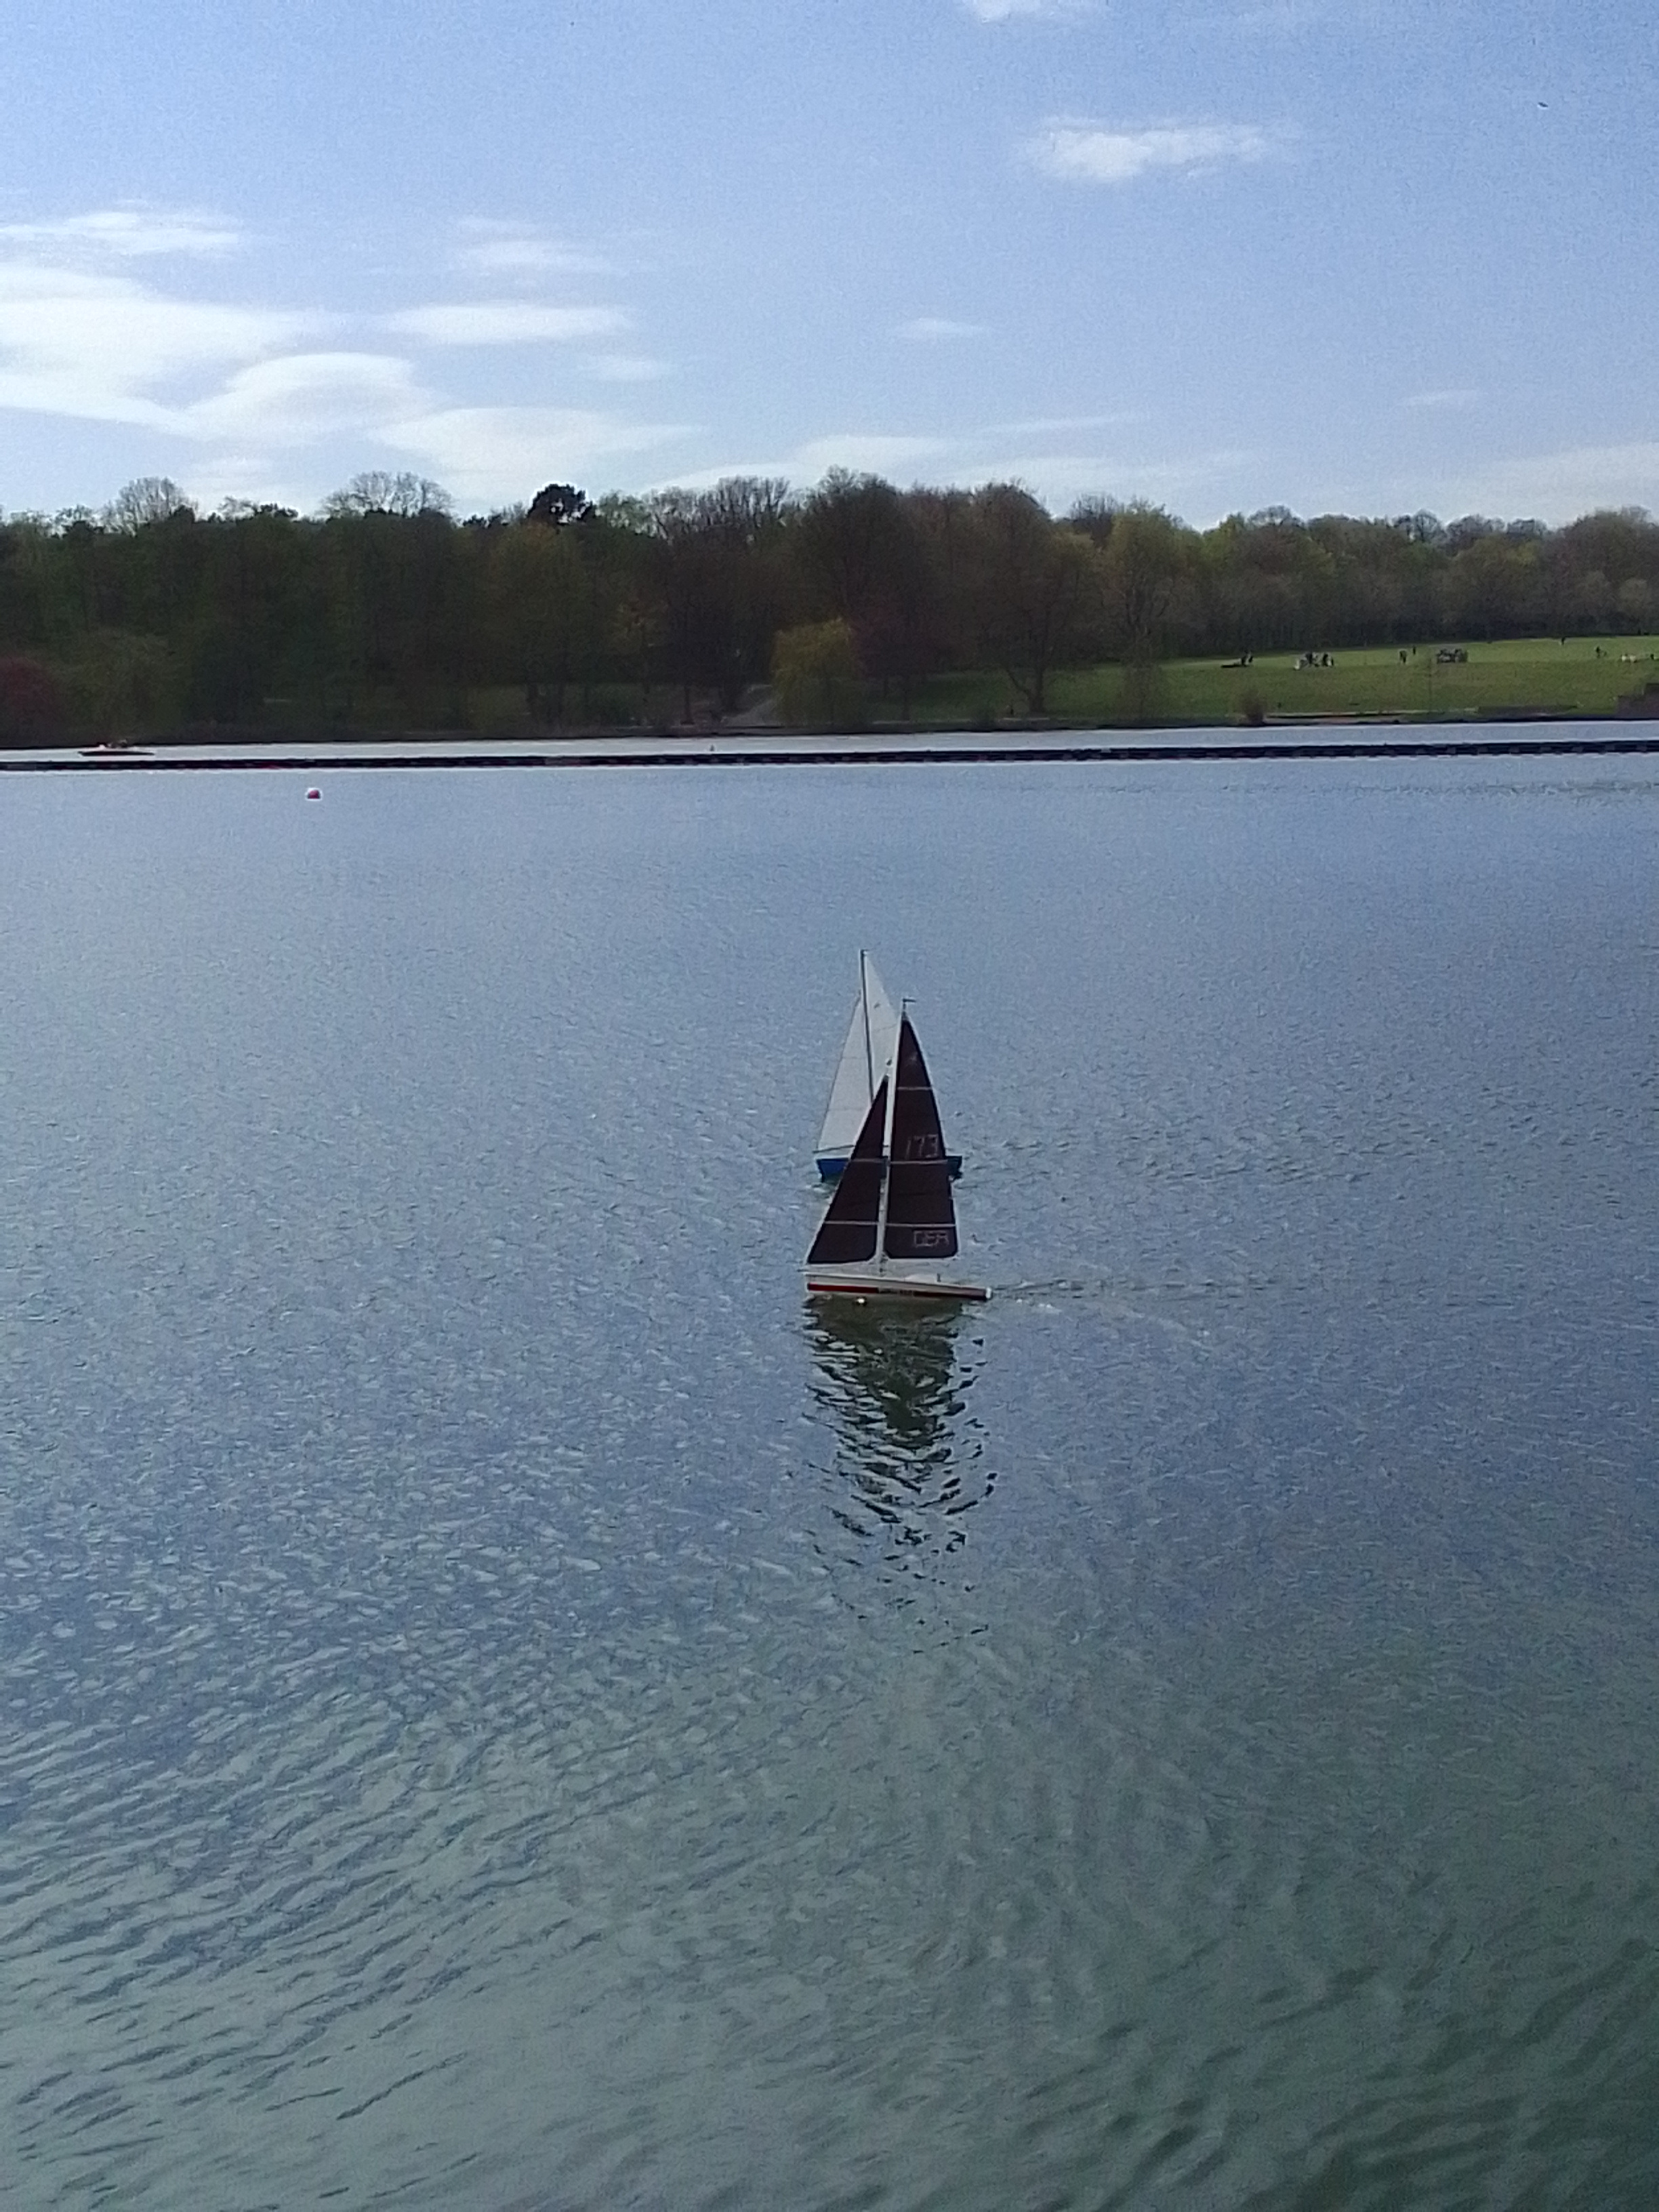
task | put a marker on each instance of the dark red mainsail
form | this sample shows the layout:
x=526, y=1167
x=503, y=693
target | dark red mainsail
x=921, y=1218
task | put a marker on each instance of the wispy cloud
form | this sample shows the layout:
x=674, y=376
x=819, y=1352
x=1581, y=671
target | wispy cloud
x=626, y=367
x=1001, y=11
x=263, y=397
x=1210, y=483
x=1560, y=486
x=300, y=398
x=1439, y=402
x=938, y=330
x=518, y=249
x=506, y=322
x=1052, y=426
x=863, y=452
x=485, y=454
x=107, y=348
x=1061, y=469
x=1284, y=16
x=1084, y=153
x=129, y=232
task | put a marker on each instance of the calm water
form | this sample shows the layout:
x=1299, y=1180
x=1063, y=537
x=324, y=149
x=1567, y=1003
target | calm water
x=501, y=1709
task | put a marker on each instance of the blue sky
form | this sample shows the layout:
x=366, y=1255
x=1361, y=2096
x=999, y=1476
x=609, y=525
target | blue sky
x=1365, y=257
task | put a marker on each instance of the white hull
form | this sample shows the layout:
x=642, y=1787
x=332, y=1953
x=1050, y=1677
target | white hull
x=886, y=1283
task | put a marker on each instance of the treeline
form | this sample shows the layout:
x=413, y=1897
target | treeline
x=385, y=610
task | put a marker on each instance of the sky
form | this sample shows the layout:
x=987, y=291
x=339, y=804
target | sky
x=1356, y=256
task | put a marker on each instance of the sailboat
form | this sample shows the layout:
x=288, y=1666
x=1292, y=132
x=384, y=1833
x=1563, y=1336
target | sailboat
x=891, y=1221
x=872, y=1040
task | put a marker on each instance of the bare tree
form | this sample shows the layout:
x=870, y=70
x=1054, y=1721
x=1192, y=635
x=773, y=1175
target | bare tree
x=375, y=491
x=144, y=501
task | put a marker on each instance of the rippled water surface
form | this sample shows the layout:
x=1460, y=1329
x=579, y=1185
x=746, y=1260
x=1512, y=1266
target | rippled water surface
x=500, y=1707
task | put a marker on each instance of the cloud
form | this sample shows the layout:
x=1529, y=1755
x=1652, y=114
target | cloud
x=1558, y=487
x=1286, y=15
x=507, y=322
x=98, y=347
x=129, y=232
x=864, y=453
x=626, y=367
x=516, y=249
x=1211, y=482
x=299, y=398
x=1049, y=426
x=861, y=452
x=265, y=398
x=488, y=455
x=939, y=330
x=1434, y=402
x=1001, y=11
x=1099, y=154
x=1061, y=474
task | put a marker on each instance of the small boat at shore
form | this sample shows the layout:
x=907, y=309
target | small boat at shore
x=891, y=1222
x=871, y=1041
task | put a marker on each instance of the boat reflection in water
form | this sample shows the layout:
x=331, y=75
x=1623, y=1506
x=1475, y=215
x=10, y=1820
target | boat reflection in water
x=892, y=1377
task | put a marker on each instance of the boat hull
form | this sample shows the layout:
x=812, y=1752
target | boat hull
x=857, y=1283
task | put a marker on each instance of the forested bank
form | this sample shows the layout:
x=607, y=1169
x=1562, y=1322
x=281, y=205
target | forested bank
x=387, y=610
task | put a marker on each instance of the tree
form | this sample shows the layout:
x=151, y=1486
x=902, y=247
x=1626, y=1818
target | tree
x=815, y=670
x=1142, y=563
x=122, y=684
x=539, y=614
x=32, y=708
x=260, y=617
x=1495, y=587
x=718, y=569
x=1037, y=591
x=144, y=501
x=1141, y=567
x=376, y=492
x=865, y=559
x=557, y=504
x=399, y=587
x=1637, y=603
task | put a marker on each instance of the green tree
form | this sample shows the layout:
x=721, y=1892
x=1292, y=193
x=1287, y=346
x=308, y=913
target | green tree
x=719, y=574
x=1142, y=566
x=1038, y=590
x=865, y=559
x=815, y=673
x=539, y=614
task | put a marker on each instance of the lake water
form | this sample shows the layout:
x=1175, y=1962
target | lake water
x=501, y=1708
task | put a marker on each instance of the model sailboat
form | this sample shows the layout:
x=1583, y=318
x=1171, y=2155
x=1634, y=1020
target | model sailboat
x=871, y=1041
x=892, y=1223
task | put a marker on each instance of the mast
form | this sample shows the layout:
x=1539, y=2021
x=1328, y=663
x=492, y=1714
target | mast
x=887, y=1146
x=863, y=1001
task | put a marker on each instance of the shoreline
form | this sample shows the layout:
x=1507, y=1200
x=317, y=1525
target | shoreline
x=1303, y=740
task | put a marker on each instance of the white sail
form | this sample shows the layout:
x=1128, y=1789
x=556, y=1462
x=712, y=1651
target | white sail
x=872, y=1040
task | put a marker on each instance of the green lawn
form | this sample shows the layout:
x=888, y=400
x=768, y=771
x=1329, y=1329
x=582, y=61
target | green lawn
x=1585, y=676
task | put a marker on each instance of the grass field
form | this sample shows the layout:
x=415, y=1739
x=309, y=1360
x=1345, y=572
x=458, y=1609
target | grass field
x=1527, y=676
x=1585, y=675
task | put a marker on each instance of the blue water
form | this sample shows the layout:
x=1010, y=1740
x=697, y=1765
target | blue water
x=500, y=1707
